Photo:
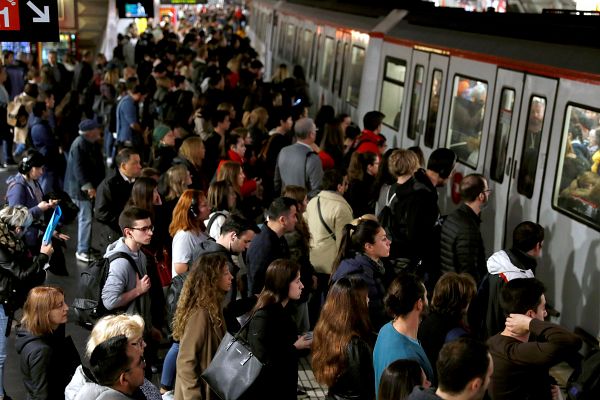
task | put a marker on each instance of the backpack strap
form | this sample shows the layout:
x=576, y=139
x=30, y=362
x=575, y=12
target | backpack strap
x=212, y=219
x=323, y=220
x=120, y=254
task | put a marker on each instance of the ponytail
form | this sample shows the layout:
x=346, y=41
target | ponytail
x=345, y=250
x=354, y=239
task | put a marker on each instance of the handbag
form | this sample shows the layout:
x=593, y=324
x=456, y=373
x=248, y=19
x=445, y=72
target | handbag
x=234, y=368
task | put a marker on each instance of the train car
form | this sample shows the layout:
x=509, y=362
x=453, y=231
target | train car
x=519, y=105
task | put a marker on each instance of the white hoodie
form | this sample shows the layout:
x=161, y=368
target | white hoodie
x=499, y=264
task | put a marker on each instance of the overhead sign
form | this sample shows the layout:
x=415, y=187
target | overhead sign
x=29, y=21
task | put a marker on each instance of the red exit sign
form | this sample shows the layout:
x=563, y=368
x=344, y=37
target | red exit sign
x=9, y=15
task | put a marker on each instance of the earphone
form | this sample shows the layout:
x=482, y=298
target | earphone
x=194, y=208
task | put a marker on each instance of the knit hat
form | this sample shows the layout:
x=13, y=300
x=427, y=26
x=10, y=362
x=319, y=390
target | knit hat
x=160, y=132
x=88, y=125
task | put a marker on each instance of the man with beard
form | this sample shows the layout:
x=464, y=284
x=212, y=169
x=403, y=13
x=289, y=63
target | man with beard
x=461, y=243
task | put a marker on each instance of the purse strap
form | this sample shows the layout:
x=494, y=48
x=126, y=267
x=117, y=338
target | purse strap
x=323, y=220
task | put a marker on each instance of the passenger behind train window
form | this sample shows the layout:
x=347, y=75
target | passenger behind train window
x=577, y=189
x=531, y=146
x=466, y=122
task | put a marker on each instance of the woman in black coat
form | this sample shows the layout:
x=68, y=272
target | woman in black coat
x=272, y=334
x=16, y=268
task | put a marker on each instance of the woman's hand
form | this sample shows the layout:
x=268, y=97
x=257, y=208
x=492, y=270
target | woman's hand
x=60, y=236
x=46, y=205
x=47, y=249
x=303, y=343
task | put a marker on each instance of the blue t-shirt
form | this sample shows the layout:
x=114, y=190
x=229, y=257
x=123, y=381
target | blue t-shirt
x=391, y=345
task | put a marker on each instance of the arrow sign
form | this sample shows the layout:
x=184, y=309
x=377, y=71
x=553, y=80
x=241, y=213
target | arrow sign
x=43, y=17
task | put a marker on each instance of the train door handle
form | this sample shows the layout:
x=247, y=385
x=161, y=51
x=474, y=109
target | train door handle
x=509, y=165
x=514, y=169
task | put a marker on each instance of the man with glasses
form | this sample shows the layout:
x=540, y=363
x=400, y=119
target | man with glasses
x=118, y=370
x=127, y=285
x=461, y=242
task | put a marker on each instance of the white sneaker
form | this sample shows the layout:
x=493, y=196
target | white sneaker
x=109, y=162
x=85, y=257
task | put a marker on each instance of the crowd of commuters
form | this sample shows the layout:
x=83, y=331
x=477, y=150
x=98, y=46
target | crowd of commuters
x=221, y=204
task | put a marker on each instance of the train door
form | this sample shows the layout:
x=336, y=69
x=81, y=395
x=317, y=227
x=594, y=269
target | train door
x=569, y=208
x=410, y=129
x=535, y=122
x=394, y=62
x=342, y=47
x=466, y=118
x=431, y=114
x=499, y=155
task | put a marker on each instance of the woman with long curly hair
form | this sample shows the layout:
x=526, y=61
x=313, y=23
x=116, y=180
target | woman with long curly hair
x=187, y=228
x=272, y=334
x=199, y=325
x=342, y=351
x=191, y=154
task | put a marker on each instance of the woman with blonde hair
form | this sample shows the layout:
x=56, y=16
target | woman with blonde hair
x=132, y=326
x=342, y=351
x=187, y=228
x=191, y=154
x=199, y=325
x=256, y=123
x=41, y=344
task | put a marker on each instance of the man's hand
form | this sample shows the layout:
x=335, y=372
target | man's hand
x=142, y=285
x=518, y=324
x=91, y=193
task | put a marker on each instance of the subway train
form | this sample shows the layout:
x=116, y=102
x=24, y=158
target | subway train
x=516, y=97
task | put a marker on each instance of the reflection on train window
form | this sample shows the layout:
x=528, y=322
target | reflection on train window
x=289, y=41
x=392, y=91
x=577, y=189
x=337, y=67
x=466, y=122
x=327, y=61
x=298, y=47
x=342, y=69
x=318, y=44
x=505, y=114
x=434, y=107
x=415, y=100
x=307, y=40
x=281, y=38
x=356, y=68
x=531, y=146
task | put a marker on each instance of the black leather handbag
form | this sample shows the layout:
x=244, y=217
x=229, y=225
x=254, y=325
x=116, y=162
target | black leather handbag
x=234, y=368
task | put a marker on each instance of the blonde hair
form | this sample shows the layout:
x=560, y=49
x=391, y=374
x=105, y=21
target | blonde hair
x=403, y=162
x=36, y=311
x=364, y=217
x=229, y=172
x=190, y=150
x=256, y=118
x=132, y=326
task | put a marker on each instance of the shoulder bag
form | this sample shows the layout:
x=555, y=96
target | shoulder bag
x=234, y=368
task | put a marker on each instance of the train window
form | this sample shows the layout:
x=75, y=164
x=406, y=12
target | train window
x=316, y=55
x=289, y=41
x=531, y=146
x=282, y=32
x=328, y=56
x=356, y=67
x=577, y=188
x=466, y=122
x=415, y=100
x=307, y=40
x=434, y=107
x=344, y=56
x=337, y=68
x=392, y=91
x=505, y=114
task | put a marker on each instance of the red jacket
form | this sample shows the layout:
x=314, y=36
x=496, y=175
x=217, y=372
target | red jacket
x=369, y=142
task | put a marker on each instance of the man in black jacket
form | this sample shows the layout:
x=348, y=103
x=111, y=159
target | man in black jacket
x=85, y=171
x=113, y=193
x=461, y=243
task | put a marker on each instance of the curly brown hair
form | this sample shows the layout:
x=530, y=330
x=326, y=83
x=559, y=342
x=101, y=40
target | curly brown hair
x=201, y=290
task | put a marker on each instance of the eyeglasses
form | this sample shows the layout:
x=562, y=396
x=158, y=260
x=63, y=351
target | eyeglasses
x=145, y=229
x=139, y=343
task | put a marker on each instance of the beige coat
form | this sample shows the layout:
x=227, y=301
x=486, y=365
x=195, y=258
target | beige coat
x=336, y=212
x=200, y=341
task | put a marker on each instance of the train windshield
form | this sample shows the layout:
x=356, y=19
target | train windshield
x=466, y=122
x=577, y=190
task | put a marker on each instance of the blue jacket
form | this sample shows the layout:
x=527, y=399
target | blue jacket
x=45, y=142
x=372, y=273
x=19, y=193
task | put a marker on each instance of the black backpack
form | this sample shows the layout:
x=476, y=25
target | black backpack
x=173, y=294
x=87, y=306
x=585, y=383
x=394, y=226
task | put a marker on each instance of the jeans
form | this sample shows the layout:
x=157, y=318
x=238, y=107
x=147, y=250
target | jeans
x=3, y=327
x=84, y=225
x=169, y=370
x=7, y=146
